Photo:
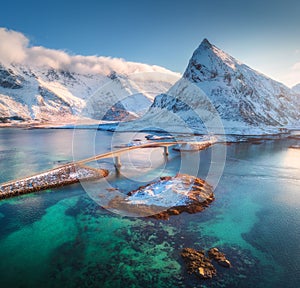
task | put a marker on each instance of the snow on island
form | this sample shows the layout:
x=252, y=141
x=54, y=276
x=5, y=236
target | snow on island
x=167, y=196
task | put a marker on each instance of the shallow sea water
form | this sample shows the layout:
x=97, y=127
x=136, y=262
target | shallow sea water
x=62, y=238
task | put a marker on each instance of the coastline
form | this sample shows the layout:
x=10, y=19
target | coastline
x=232, y=134
x=112, y=126
x=58, y=177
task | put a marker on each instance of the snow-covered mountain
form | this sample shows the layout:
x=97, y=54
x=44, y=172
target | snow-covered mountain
x=47, y=85
x=45, y=94
x=127, y=97
x=217, y=91
x=296, y=88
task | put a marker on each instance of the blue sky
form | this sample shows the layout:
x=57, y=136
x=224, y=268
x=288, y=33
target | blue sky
x=263, y=34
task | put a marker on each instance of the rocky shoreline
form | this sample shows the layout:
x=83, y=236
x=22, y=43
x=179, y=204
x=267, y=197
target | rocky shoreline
x=166, y=197
x=61, y=176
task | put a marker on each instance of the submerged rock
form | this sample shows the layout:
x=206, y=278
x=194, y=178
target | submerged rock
x=198, y=264
x=201, y=265
x=220, y=257
x=167, y=196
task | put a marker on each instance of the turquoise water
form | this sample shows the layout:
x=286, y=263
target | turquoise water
x=62, y=238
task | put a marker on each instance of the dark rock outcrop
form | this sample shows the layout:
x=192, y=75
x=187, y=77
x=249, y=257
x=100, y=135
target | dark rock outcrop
x=220, y=257
x=8, y=79
x=199, y=264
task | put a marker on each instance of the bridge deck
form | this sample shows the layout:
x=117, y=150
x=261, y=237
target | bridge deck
x=43, y=177
x=126, y=149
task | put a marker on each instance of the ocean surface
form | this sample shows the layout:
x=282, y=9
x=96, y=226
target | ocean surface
x=63, y=238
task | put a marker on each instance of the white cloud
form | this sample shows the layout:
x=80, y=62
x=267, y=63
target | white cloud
x=15, y=48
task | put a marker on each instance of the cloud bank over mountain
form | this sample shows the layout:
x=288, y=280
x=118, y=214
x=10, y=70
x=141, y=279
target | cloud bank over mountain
x=15, y=48
x=40, y=84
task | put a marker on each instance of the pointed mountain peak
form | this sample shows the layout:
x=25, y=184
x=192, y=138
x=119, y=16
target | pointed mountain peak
x=205, y=44
x=208, y=61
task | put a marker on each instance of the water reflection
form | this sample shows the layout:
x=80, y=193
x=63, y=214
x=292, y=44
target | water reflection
x=291, y=158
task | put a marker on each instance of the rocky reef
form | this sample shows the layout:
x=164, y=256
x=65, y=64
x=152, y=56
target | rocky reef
x=198, y=264
x=201, y=265
x=220, y=257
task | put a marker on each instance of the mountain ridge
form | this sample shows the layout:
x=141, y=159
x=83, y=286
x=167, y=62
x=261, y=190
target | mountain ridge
x=44, y=94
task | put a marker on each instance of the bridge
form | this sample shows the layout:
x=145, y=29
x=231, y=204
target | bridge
x=73, y=172
x=116, y=154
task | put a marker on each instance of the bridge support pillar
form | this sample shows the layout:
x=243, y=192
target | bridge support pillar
x=166, y=151
x=117, y=162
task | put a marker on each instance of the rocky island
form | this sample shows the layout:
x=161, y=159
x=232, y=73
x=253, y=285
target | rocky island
x=166, y=197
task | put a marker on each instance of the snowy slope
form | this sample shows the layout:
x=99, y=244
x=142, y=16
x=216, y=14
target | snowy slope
x=45, y=94
x=238, y=92
x=219, y=91
x=296, y=88
x=130, y=96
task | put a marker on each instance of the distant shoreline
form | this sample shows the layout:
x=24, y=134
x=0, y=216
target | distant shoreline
x=272, y=134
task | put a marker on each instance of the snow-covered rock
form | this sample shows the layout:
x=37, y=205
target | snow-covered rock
x=167, y=196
